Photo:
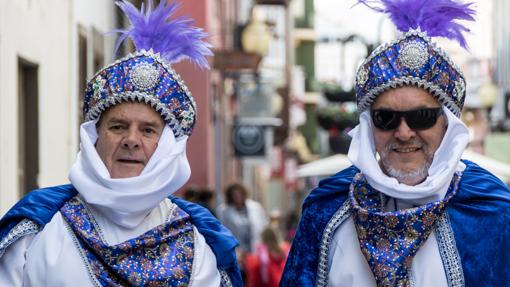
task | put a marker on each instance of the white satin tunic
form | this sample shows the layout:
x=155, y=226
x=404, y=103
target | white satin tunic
x=51, y=257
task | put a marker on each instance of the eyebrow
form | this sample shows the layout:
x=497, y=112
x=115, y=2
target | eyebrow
x=122, y=121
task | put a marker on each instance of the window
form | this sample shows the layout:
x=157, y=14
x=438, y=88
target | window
x=28, y=126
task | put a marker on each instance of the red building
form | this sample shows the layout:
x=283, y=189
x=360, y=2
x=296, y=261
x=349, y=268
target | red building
x=209, y=146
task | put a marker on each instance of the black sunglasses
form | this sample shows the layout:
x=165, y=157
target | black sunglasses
x=418, y=119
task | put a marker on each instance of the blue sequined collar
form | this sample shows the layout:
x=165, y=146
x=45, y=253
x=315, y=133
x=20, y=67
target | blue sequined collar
x=389, y=240
x=163, y=256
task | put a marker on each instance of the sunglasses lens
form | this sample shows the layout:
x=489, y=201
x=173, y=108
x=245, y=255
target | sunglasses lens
x=385, y=120
x=422, y=118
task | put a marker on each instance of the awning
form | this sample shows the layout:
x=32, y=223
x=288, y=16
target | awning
x=333, y=164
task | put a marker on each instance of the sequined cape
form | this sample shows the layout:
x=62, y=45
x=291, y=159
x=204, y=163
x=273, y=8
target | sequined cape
x=39, y=206
x=479, y=216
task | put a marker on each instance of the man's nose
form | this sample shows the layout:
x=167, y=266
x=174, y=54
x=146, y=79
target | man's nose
x=131, y=140
x=404, y=132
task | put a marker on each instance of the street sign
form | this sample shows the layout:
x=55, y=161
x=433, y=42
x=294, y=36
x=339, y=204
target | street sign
x=249, y=140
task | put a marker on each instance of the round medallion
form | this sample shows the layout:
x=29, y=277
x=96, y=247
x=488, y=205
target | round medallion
x=144, y=76
x=413, y=55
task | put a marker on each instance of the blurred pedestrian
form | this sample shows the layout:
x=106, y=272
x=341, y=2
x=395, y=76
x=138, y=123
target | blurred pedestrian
x=245, y=217
x=264, y=266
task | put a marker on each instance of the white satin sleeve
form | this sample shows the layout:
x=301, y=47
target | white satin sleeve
x=12, y=263
x=205, y=272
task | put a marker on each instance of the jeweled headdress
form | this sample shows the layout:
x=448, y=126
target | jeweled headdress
x=146, y=75
x=413, y=59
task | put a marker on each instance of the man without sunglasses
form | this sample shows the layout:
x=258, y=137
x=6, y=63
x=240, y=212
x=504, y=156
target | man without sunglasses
x=409, y=212
x=118, y=223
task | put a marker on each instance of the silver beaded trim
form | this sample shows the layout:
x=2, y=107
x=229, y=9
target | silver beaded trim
x=449, y=253
x=25, y=227
x=412, y=280
x=413, y=55
x=82, y=255
x=362, y=76
x=338, y=218
x=368, y=99
x=97, y=87
x=225, y=279
x=144, y=76
x=145, y=97
x=414, y=32
x=460, y=88
x=435, y=90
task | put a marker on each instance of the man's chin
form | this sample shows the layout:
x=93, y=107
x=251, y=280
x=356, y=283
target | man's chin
x=408, y=175
x=125, y=173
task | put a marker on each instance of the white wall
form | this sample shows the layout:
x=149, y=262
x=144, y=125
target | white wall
x=43, y=32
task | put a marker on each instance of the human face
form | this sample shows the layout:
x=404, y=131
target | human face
x=405, y=153
x=128, y=135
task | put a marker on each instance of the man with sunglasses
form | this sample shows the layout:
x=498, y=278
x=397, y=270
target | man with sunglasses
x=409, y=212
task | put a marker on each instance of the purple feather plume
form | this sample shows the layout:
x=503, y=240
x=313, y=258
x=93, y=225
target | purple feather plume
x=175, y=39
x=435, y=17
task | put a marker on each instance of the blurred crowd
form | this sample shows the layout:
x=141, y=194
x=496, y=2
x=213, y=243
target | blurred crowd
x=264, y=239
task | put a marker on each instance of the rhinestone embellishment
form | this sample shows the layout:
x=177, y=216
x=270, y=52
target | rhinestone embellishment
x=97, y=87
x=362, y=76
x=144, y=76
x=187, y=118
x=460, y=88
x=413, y=55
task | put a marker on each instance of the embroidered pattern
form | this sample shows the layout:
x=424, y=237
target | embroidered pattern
x=21, y=229
x=411, y=60
x=162, y=256
x=449, y=253
x=338, y=218
x=389, y=240
x=144, y=77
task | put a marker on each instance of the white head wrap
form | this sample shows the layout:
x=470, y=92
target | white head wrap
x=126, y=201
x=446, y=161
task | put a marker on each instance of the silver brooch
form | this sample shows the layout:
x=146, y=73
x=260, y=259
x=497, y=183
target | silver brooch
x=413, y=55
x=362, y=76
x=144, y=76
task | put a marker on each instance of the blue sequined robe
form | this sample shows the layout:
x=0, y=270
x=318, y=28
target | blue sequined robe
x=478, y=219
x=36, y=209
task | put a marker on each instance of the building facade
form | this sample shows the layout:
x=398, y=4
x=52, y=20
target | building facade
x=47, y=50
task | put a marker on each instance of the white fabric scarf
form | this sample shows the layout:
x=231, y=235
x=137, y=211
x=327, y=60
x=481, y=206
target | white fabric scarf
x=446, y=161
x=127, y=201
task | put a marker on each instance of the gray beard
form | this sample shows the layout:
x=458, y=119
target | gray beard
x=407, y=177
x=414, y=176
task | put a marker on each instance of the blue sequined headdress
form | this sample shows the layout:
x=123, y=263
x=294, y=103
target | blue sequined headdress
x=146, y=75
x=413, y=59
